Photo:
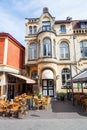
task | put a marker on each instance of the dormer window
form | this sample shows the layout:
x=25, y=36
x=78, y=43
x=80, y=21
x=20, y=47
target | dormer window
x=46, y=25
x=83, y=25
x=63, y=28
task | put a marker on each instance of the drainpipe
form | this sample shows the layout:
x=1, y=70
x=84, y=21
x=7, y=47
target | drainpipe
x=74, y=37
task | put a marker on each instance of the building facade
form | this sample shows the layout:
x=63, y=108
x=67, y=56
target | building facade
x=51, y=46
x=12, y=55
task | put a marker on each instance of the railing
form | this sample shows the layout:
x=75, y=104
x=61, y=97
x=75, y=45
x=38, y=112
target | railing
x=51, y=29
x=80, y=30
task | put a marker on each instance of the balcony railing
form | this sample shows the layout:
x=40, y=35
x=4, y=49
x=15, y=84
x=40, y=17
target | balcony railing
x=80, y=30
x=45, y=29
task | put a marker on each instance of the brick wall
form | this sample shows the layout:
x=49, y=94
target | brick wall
x=15, y=55
x=1, y=50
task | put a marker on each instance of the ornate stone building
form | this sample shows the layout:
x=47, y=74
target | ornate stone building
x=51, y=45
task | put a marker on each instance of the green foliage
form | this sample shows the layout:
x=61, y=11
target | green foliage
x=36, y=93
x=61, y=95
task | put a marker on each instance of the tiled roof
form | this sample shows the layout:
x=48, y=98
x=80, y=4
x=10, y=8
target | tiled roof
x=62, y=21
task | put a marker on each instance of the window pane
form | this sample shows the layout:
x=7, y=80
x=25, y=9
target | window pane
x=64, y=50
x=46, y=25
x=82, y=25
x=63, y=28
x=32, y=51
x=65, y=76
x=34, y=74
x=35, y=29
x=83, y=48
x=46, y=47
x=30, y=30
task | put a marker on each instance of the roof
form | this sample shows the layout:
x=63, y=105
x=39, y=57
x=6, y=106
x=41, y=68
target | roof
x=3, y=34
x=62, y=21
x=75, y=23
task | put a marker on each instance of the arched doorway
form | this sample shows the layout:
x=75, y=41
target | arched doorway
x=47, y=83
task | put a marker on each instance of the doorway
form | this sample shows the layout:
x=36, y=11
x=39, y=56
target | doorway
x=48, y=87
x=10, y=92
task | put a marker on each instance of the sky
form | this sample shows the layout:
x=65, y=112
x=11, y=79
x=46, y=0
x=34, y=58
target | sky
x=14, y=12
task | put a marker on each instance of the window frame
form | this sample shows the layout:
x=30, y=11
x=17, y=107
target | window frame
x=65, y=74
x=63, y=28
x=35, y=29
x=34, y=74
x=47, y=48
x=32, y=51
x=83, y=49
x=64, y=51
x=46, y=25
x=30, y=30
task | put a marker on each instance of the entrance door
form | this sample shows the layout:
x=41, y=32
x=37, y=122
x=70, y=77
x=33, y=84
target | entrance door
x=48, y=87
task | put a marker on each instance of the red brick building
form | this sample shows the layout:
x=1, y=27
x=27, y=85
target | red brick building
x=12, y=55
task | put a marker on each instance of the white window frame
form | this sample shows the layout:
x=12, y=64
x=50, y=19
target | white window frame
x=65, y=51
x=47, y=46
x=32, y=52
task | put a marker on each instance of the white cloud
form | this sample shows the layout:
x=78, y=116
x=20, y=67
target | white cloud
x=13, y=20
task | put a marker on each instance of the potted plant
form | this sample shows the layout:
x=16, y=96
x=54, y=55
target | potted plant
x=62, y=96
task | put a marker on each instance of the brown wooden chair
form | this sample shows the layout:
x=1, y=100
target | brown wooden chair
x=38, y=103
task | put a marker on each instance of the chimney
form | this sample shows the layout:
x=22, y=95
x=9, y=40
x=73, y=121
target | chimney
x=45, y=10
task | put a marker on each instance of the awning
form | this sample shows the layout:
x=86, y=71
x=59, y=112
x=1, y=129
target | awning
x=28, y=80
x=80, y=77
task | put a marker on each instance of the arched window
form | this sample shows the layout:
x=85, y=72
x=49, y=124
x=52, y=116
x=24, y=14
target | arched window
x=83, y=48
x=32, y=52
x=65, y=77
x=47, y=51
x=64, y=51
x=30, y=30
x=35, y=29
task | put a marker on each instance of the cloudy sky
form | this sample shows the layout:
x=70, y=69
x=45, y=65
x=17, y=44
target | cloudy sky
x=14, y=12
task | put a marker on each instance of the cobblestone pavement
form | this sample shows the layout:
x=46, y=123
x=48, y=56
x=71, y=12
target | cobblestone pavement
x=59, y=115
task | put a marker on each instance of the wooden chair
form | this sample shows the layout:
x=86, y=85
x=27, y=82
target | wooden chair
x=46, y=102
x=38, y=103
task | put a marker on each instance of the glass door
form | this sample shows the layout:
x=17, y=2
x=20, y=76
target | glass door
x=48, y=87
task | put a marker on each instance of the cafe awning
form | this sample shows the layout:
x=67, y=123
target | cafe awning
x=80, y=77
x=28, y=80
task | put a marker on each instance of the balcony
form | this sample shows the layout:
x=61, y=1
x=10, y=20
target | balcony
x=47, y=29
x=80, y=31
